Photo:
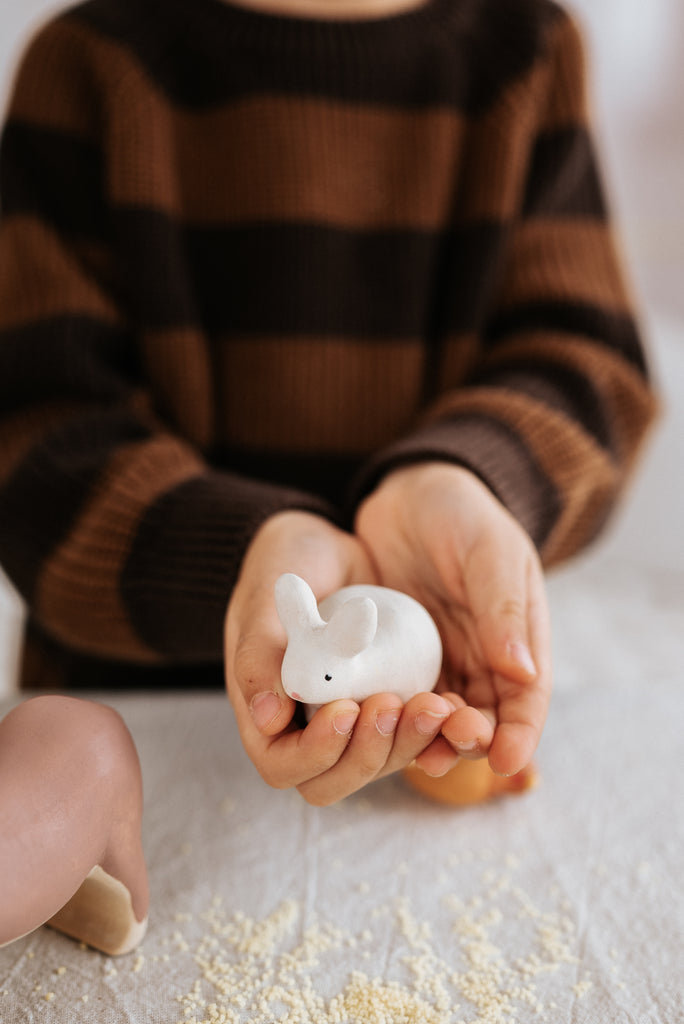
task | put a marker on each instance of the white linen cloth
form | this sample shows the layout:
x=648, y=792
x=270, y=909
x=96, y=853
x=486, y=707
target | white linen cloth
x=565, y=904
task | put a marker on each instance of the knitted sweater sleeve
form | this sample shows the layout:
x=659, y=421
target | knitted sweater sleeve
x=119, y=534
x=557, y=399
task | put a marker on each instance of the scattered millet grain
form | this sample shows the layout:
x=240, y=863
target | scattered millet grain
x=257, y=971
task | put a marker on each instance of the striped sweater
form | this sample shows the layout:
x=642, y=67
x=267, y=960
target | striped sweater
x=251, y=263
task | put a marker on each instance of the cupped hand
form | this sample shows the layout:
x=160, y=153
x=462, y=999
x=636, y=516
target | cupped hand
x=435, y=531
x=345, y=745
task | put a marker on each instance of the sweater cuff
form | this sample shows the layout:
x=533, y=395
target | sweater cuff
x=186, y=556
x=491, y=450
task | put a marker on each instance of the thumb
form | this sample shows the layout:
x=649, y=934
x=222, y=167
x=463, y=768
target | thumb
x=255, y=644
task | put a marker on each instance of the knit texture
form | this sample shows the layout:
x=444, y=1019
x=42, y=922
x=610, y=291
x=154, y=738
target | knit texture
x=251, y=263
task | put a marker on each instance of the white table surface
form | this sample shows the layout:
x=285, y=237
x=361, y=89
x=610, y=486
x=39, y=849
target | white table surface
x=563, y=905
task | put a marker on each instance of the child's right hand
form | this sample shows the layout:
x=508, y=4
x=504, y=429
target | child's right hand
x=345, y=745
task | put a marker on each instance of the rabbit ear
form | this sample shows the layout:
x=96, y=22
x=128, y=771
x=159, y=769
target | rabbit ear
x=296, y=605
x=352, y=626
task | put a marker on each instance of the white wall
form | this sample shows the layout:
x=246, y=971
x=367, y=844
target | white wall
x=636, y=53
x=17, y=20
x=638, y=86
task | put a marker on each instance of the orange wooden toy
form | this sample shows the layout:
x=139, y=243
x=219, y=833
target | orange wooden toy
x=469, y=782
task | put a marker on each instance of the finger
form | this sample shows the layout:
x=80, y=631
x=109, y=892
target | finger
x=421, y=720
x=539, y=624
x=255, y=645
x=497, y=585
x=365, y=755
x=522, y=709
x=470, y=731
x=521, y=720
x=299, y=755
x=438, y=758
x=257, y=665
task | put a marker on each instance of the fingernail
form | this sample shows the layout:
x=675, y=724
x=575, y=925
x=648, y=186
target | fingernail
x=520, y=653
x=264, y=708
x=344, y=722
x=386, y=722
x=468, y=746
x=439, y=775
x=428, y=722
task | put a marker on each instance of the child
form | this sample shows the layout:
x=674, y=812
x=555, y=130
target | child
x=327, y=287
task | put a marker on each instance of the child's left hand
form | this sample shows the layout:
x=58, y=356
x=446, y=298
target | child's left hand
x=436, y=532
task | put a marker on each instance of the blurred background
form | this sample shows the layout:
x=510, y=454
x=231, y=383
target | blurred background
x=635, y=51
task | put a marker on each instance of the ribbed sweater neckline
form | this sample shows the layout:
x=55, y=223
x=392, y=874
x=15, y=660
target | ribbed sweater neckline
x=252, y=24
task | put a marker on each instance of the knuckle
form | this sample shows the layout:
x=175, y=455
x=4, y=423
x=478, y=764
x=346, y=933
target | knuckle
x=321, y=765
x=512, y=608
x=246, y=660
x=272, y=778
x=256, y=665
x=367, y=769
x=315, y=797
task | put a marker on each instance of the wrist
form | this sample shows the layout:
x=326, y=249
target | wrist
x=412, y=485
x=280, y=526
x=309, y=545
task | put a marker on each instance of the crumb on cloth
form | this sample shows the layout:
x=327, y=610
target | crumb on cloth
x=278, y=970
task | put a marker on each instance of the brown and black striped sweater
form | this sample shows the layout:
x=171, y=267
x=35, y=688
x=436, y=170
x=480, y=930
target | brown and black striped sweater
x=250, y=263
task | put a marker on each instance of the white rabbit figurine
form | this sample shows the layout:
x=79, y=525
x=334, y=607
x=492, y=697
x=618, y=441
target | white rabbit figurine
x=360, y=640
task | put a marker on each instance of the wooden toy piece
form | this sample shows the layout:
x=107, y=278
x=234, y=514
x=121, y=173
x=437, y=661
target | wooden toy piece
x=100, y=913
x=361, y=640
x=70, y=821
x=469, y=782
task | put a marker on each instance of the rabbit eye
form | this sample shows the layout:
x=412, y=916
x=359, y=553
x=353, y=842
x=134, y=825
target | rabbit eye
x=328, y=678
